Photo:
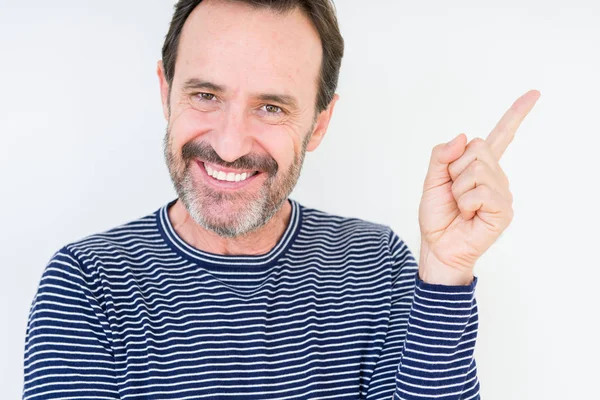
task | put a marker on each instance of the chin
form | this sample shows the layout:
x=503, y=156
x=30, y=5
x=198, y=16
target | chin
x=225, y=217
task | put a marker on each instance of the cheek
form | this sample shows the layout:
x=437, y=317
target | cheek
x=280, y=142
x=189, y=124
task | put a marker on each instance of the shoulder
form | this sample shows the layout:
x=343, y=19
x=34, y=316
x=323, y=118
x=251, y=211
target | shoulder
x=138, y=229
x=86, y=252
x=319, y=223
x=355, y=240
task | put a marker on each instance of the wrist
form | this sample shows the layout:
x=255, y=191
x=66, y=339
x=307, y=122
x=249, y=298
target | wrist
x=433, y=271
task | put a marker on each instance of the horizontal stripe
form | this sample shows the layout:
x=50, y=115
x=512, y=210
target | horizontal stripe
x=335, y=310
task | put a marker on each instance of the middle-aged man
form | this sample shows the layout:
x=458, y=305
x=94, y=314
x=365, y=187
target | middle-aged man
x=233, y=290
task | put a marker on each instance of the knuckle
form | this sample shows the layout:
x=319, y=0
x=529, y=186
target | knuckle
x=454, y=169
x=477, y=141
x=486, y=191
x=478, y=167
x=480, y=147
x=477, y=144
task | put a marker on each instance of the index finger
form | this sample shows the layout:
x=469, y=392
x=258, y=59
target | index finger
x=504, y=131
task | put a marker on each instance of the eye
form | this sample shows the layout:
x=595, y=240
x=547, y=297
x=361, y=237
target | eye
x=207, y=96
x=271, y=109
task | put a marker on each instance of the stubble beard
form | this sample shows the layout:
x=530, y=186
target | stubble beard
x=253, y=211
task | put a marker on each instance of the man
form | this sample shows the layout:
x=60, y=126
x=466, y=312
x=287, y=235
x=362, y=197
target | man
x=233, y=290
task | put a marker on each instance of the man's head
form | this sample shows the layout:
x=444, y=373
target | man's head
x=247, y=86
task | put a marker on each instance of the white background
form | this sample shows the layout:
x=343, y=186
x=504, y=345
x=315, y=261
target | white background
x=81, y=134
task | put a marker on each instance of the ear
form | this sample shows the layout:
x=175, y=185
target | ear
x=321, y=125
x=164, y=89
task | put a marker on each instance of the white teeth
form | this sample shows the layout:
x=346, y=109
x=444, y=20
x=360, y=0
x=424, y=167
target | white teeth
x=230, y=177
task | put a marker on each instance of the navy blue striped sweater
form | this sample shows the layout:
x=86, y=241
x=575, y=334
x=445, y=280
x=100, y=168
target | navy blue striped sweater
x=335, y=310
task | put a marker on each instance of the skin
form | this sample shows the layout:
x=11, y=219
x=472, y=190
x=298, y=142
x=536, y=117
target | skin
x=246, y=54
x=466, y=202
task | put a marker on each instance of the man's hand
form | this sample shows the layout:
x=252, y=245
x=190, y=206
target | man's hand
x=466, y=202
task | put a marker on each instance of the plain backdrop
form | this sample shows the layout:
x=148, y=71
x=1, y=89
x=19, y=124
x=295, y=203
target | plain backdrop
x=81, y=152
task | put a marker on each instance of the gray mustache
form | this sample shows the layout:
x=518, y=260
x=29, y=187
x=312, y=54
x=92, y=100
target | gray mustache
x=192, y=150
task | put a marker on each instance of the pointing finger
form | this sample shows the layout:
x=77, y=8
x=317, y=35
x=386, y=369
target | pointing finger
x=504, y=131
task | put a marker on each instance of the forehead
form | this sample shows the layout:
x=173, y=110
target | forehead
x=250, y=49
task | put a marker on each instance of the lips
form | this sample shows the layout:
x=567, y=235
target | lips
x=228, y=175
x=240, y=178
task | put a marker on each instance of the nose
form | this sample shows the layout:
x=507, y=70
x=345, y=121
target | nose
x=233, y=140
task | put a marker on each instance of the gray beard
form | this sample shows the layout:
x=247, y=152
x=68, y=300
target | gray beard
x=257, y=210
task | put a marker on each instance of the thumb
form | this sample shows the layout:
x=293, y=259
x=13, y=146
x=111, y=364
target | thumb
x=441, y=157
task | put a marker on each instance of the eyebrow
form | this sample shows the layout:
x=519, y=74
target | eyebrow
x=286, y=100
x=197, y=84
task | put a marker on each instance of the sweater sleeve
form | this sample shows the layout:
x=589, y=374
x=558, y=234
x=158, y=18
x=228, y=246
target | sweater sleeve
x=429, y=346
x=67, y=345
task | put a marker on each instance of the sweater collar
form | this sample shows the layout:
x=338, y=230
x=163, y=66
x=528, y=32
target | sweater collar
x=229, y=261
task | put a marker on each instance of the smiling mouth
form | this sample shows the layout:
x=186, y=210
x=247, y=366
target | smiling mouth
x=225, y=175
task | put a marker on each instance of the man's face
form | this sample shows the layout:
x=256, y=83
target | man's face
x=241, y=112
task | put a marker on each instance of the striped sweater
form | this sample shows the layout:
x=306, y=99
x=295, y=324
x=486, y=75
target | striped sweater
x=336, y=310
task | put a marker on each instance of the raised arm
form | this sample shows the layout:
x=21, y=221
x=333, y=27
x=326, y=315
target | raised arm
x=428, y=350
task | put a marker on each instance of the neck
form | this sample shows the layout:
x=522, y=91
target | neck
x=257, y=242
